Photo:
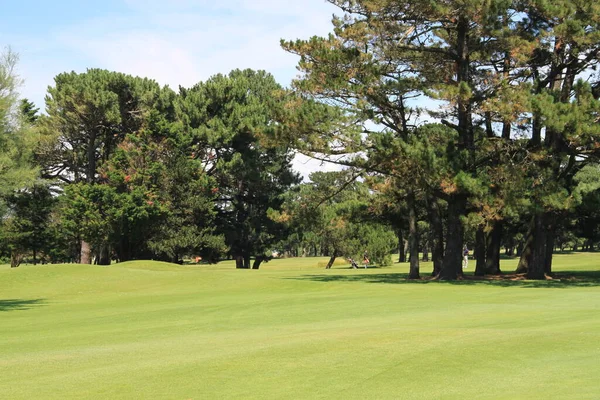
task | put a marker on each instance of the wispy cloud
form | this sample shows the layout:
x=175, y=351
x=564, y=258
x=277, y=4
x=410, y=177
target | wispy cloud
x=183, y=42
x=180, y=42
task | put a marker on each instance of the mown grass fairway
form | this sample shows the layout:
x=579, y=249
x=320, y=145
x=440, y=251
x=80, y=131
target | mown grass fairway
x=147, y=330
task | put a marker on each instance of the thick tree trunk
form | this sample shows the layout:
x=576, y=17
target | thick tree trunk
x=527, y=250
x=457, y=203
x=331, y=260
x=413, y=238
x=437, y=236
x=452, y=266
x=537, y=266
x=86, y=253
x=257, y=261
x=492, y=256
x=479, y=251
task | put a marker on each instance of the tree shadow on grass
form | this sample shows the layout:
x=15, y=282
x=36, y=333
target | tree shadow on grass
x=20, y=304
x=560, y=280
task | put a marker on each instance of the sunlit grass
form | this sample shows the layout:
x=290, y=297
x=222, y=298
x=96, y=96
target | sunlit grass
x=148, y=330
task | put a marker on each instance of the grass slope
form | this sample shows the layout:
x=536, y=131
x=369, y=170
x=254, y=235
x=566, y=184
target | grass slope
x=148, y=330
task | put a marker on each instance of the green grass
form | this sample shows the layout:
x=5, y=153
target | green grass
x=148, y=330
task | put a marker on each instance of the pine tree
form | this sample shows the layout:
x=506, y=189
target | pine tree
x=230, y=122
x=383, y=54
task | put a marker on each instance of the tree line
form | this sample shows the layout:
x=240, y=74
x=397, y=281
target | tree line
x=121, y=168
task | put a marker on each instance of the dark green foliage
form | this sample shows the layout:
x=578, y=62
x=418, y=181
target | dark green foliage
x=89, y=114
x=332, y=213
x=28, y=110
x=230, y=122
x=25, y=228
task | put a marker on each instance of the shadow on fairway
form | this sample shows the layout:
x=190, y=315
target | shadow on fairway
x=561, y=280
x=20, y=304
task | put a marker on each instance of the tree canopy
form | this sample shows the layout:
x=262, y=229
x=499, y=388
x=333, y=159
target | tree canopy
x=456, y=123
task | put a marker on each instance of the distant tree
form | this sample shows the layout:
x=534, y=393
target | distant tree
x=563, y=53
x=231, y=122
x=16, y=140
x=89, y=114
x=168, y=178
x=586, y=215
x=333, y=211
x=16, y=168
x=27, y=222
x=381, y=56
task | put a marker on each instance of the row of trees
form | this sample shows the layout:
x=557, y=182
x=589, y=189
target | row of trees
x=130, y=170
x=134, y=170
x=515, y=86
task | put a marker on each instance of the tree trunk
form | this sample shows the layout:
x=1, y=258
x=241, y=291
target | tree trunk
x=452, y=266
x=536, y=136
x=537, y=266
x=506, y=130
x=239, y=262
x=413, y=238
x=402, y=252
x=34, y=257
x=15, y=259
x=331, y=260
x=257, y=261
x=510, y=246
x=437, y=236
x=541, y=260
x=527, y=251
x=425, y=253
x=86, y=253
x=550, y=237
x=479, y=251
x=457, y=203
x=104, y=255
x=492, y=257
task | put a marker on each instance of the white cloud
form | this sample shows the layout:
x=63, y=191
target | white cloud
x=180, y=42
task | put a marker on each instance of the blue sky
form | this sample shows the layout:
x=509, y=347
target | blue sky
x=176, y=42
